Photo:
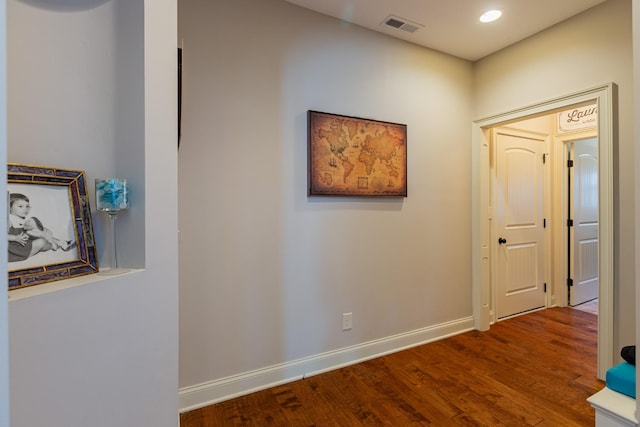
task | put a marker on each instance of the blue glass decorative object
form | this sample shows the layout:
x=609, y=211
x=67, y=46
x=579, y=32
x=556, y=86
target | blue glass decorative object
x=112, y=196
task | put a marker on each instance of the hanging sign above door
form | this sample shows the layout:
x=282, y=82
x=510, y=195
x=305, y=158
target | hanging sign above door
x=578, y=118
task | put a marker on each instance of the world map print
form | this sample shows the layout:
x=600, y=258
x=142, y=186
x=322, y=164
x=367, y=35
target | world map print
x=350, y=156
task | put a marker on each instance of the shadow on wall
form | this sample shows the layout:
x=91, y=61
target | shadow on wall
x=65, y=5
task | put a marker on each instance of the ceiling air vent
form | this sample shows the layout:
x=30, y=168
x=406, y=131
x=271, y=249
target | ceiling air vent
x=402, y=24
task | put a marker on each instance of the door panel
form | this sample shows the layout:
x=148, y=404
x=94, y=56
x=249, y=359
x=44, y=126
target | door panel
x=519, y=216
x=584, y=211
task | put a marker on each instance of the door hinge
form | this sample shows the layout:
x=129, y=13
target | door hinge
x=544, y=158
x=545, y=288
x=569, y=163
x=569, y=223
x=569, y=282
x=544, y=223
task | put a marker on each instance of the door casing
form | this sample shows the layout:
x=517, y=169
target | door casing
x=604, y=96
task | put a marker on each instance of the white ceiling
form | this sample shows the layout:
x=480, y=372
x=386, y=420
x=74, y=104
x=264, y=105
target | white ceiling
x=452, y=26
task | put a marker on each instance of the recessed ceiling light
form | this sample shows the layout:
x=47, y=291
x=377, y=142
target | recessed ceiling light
x=490, y=16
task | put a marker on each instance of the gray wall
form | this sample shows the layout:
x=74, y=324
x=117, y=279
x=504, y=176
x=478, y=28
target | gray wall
x=92, y=86
x=265, y=271
x=4, y=324
x=636, y=139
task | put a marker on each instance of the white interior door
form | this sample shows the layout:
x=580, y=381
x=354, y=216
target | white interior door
x=583, y=235
x=519, y=221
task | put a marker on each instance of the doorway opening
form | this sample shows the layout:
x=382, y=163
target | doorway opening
x=488, y=247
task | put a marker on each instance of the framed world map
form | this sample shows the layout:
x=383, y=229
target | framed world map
x=351, y=156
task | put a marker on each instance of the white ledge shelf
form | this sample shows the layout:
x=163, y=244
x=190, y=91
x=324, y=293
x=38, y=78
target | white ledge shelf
x=32, y=291
x=613, y=409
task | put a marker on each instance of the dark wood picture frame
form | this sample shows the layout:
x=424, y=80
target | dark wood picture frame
x=59, y=198
x=356, y=157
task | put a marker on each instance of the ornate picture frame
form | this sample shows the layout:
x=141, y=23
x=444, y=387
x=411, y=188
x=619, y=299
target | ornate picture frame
x=50, y=227
x=352, y=156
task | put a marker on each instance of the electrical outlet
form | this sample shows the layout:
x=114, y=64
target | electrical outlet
x=347, y=321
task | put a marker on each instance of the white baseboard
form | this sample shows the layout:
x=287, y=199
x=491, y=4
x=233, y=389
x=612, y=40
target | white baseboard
x=200, y=395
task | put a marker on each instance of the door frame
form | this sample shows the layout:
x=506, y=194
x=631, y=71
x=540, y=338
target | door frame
x=605, y=97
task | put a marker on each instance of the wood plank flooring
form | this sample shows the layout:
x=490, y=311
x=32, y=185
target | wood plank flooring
x=533, y=370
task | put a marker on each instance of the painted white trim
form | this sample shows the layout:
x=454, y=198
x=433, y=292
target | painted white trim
x=200, y=395
x=606, y=98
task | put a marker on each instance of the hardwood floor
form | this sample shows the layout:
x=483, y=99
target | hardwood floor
x=533, y=370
